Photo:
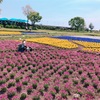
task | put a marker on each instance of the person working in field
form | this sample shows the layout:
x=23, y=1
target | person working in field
x=22, y=47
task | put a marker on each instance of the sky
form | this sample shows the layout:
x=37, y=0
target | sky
x=55, y=12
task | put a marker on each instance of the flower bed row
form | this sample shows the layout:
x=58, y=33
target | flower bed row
x=77, y=38
x=54, y=42
x=49, y=73
x=89, y=46
x=10, y=45
x=9, y=33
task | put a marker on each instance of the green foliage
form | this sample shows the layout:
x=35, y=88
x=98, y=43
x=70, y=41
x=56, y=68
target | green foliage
x=12, y=75
x=34, y=17
x=8, y=69
x=10, y=95
x=80, y=72
x=86, y=84
x=29, y=91
x=2, y=82
x=64, y=96
x=98, y=90
x=56, y=88
x=36, y=98
x=91, y=26
x=77, y=23
x=23, y=96
x=18, y=88
x=3, y=90
x=83, y=79
x=19, y=67
x=1, y=25
x=46, y=87
x=25, y=83
x=75, y=82
x=34, y=86
x=17, y=79
x=1, y=1
x=33, y=70
x=10, y=84
x=65, y=76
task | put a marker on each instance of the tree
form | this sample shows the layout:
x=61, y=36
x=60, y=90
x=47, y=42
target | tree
x=26, y=10
x=91, y=26
x=77, y=23
x=1, y=1
x=34, y=17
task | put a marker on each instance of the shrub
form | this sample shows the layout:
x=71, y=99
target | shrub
x=46, y=87
x=56, y=88
x=64, y=96
x=10, y=84
x=98, y=90
x=8, y=69
x=29, y=91
x=19, y=87
x=70, y=71
x=53, y=94
x=36, y=98
x=34, y=86
x=41, y=91
x=75, y=82
x=86, y=84
x=2, y=82
x=19, y=67
x=33, y=70
x=12, y=75
x=25, y=83
x=17, y=79
x=11, y=92
x=80, y=72
x=30, y=75
x=51, y=67
x=23, y=96
x=60, y=73
x=4, y=73
x=65, y=76
x=3, y=90
x=82, y=80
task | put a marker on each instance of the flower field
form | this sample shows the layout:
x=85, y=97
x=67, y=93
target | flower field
x=48, y=73
x=89, y=46
x=54, y=42
x=8, y=33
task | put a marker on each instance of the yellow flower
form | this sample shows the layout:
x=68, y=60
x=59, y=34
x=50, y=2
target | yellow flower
x=9, y=32
x=54, y=42
x=89, y=46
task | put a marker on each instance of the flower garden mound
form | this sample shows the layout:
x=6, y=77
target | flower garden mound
x=89, y=46
x=48, y=73
x=68, y=44
x=54, y=42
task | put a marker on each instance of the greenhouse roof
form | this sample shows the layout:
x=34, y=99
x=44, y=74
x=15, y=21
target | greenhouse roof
x=3, y=18
x=13, y=19
x=18, y=20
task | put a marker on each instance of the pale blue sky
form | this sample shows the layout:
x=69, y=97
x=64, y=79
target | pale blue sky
x=55, y=12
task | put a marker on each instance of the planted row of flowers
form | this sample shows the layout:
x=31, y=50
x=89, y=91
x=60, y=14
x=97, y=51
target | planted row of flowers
x=48, y=73
x=89, y=46
x=8, y=32
x=10, y=45
x=54, y=42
